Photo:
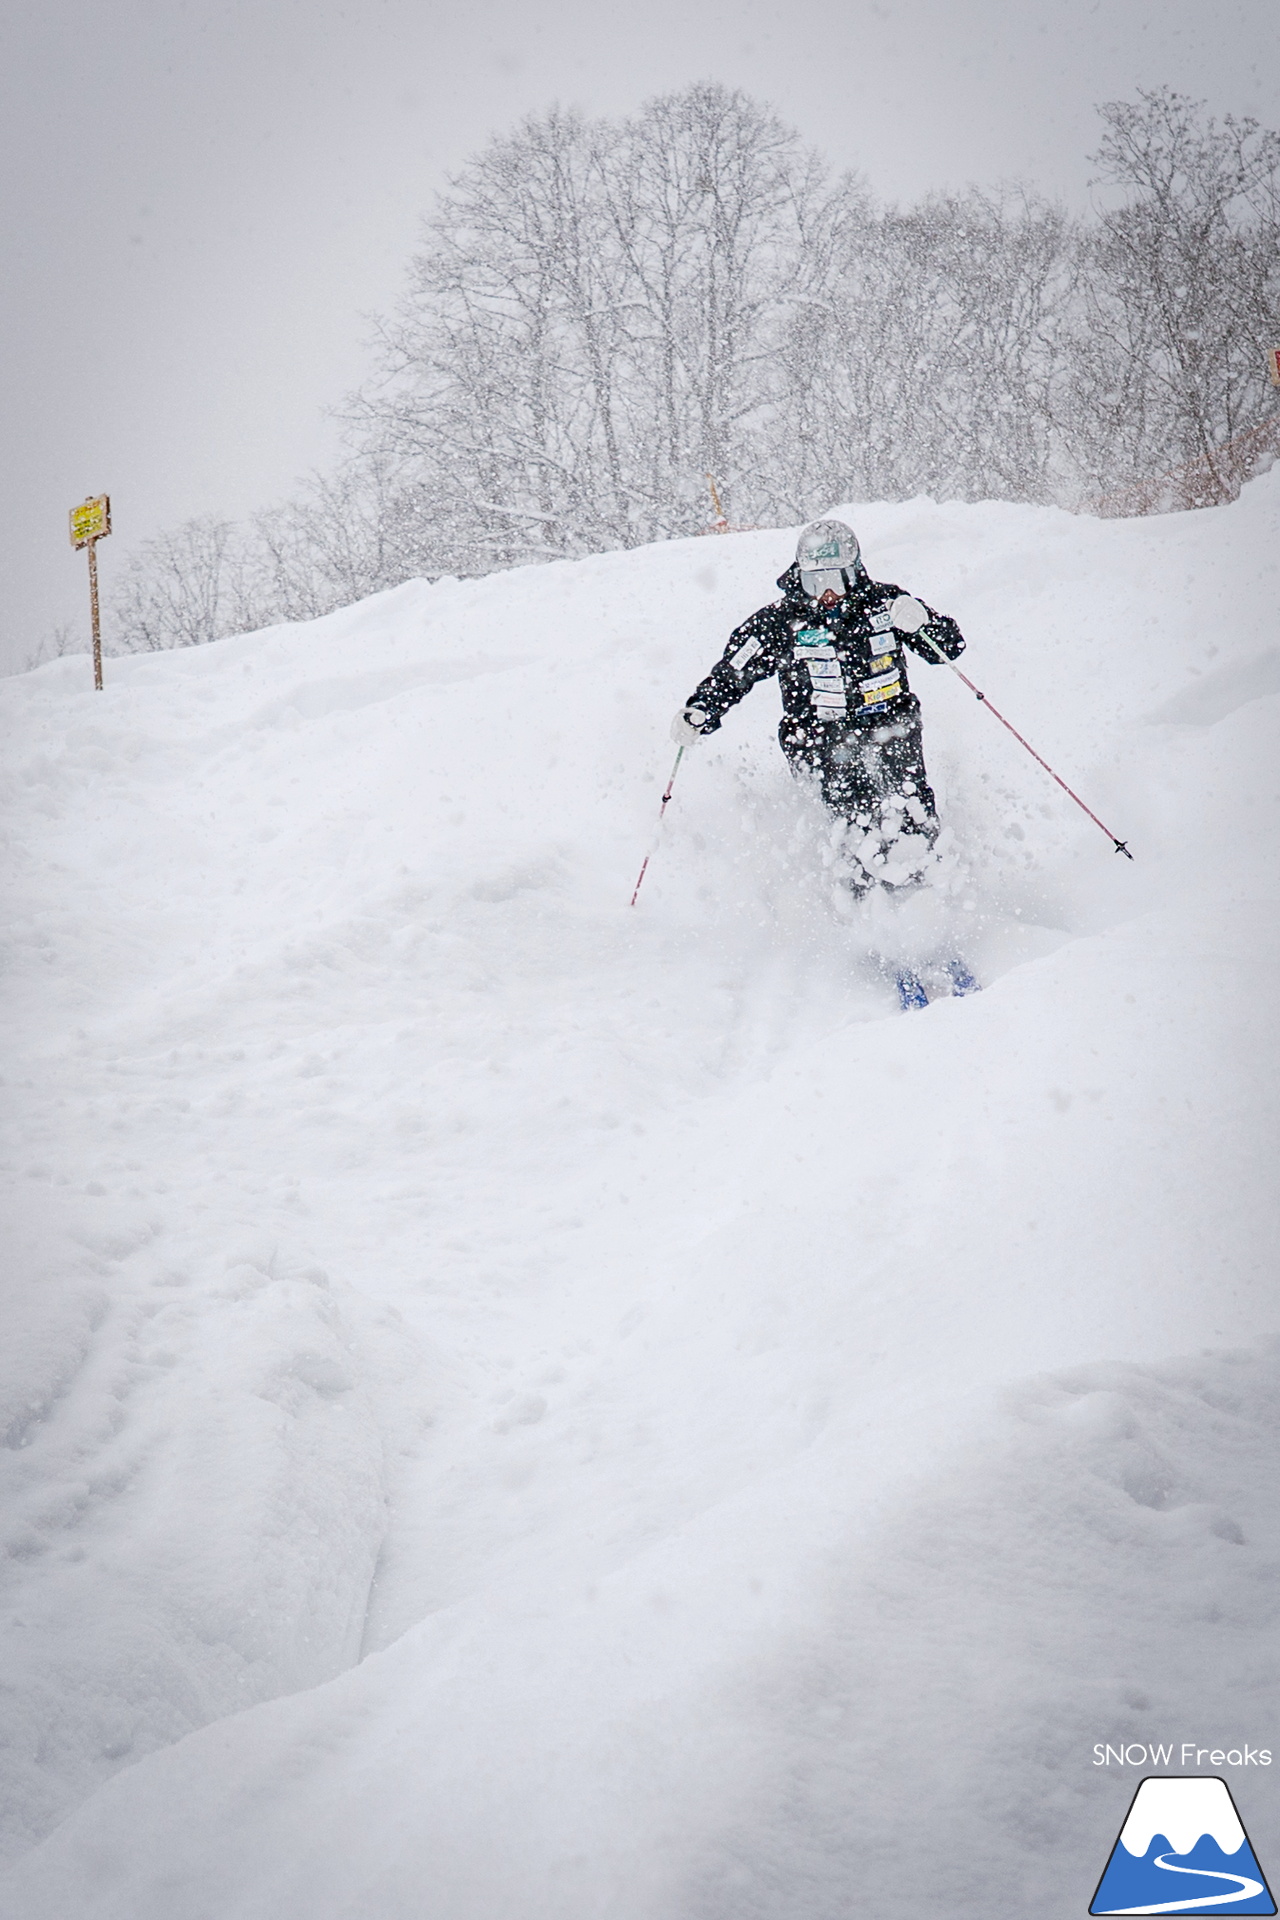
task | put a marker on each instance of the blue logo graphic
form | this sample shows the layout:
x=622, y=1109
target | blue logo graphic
x=1182, y=1850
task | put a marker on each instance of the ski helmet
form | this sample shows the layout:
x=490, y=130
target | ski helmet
x=827, y=555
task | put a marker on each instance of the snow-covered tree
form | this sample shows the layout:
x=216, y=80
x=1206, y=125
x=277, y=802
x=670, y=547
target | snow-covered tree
x=927, y=363
x=182, y=588
x=594, y=324
x=1180, y=290
x=605, y=314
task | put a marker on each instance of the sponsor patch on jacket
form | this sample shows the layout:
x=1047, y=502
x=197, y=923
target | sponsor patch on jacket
x=825, y=669
x=882, y=661
x=747, y=652
x=881, y=620
x=813, y=637
x=881, y=687
x=826, y=702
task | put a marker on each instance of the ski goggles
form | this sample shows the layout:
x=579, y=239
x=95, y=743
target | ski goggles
x=820, y=580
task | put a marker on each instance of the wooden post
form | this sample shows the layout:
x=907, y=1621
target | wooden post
x=91, y=522
x=93, y=615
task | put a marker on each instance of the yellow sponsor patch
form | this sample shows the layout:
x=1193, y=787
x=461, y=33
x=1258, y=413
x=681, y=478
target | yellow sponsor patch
x=870, y=695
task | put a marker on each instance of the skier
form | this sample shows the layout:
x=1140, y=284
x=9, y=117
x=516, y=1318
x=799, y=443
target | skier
x=849, y=719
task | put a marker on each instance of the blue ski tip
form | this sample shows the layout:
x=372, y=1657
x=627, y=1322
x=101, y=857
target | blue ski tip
x=911, y=991
x=962, y=981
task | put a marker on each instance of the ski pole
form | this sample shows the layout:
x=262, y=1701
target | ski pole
x=658, y=829
x=1119, y=845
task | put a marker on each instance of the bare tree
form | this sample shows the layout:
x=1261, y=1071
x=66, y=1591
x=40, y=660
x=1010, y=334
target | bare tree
x=182, y=589
x=60, y=641
x=593, y=325
x=493, y=387
x=604, y=314
x=927, y=364
x=722, y=219
x=1180, y=288
x=342, y=537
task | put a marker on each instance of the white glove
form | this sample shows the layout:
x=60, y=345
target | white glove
x=907, y=615
x=687, y=726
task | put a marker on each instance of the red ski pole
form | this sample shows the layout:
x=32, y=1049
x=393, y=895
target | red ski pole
x=1119, y=845
x=657, y=831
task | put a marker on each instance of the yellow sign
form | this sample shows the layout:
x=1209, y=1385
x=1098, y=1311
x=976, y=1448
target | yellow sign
x=1273, y=361
x=91, y=520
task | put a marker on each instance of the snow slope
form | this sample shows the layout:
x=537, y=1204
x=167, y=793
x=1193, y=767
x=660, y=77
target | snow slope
x=519, y=1406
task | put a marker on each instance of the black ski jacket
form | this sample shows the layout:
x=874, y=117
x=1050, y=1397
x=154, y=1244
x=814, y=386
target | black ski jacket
x=837, y=667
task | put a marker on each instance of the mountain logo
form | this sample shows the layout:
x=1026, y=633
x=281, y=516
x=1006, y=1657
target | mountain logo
x=1183, y=1850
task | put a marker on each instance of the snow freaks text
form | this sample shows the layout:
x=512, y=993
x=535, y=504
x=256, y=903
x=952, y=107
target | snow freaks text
x=1189, y=1755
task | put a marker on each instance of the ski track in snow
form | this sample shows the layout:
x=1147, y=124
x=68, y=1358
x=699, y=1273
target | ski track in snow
x=515, y=1405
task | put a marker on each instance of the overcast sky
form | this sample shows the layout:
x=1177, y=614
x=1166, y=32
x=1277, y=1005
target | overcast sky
x=204, y=199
